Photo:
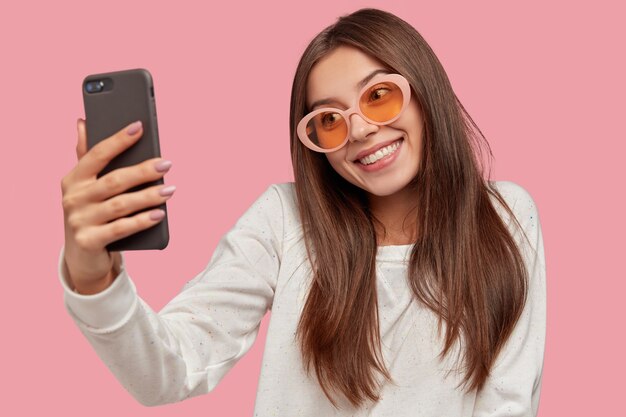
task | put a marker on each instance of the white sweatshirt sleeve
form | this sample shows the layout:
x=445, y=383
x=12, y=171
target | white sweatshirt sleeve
x=187, y=348
x=514, y=385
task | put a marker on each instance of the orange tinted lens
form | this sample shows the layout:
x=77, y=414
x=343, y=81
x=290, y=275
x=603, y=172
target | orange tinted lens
x=327, y=130
x=381, y=102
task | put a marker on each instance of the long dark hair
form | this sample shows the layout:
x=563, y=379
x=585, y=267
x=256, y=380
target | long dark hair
x=465, y=265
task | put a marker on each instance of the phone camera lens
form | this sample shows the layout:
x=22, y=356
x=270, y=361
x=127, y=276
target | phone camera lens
x=94, y=86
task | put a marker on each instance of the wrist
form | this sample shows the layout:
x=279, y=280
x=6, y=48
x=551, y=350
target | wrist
x=95, y=287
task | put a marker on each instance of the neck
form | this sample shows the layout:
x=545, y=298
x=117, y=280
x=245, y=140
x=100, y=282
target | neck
x=397, y=214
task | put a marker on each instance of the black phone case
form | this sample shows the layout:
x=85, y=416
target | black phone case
x=127, y=96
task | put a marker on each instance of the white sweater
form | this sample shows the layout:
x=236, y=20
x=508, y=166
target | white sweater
x=185, y=349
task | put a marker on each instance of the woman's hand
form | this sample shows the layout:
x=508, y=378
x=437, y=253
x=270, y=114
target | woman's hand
x=90, y=203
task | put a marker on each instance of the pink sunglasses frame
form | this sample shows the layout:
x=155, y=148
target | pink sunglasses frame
x=397, y=79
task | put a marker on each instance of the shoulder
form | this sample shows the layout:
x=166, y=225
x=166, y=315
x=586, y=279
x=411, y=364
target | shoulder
x=277, y=203
x=512, y=192
x=284, y=190
x=519, y=200
x=275, y=195
x=523, y=206
x=281, y=196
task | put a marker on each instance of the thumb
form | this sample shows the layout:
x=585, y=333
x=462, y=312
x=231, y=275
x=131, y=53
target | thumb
x=81, y=146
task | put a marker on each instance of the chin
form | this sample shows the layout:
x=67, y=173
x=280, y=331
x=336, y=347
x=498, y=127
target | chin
x=385, y=189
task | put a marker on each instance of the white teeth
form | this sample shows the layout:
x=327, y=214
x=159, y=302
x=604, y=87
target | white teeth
x=387, y=150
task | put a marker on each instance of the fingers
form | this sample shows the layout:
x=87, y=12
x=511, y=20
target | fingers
x=96, y=209
x=114, y=183
x=122, y=205
x=122, y=179
x=124, y=227
x=93, y=161
x=81, y=146
x=95, y=237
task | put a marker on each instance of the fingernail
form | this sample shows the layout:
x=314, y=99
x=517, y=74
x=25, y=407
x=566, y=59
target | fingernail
x=169, y=190
x=157, y=214
x=163, y=165
x=133, y=127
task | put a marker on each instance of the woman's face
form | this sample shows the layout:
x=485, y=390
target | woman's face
x=336, y=77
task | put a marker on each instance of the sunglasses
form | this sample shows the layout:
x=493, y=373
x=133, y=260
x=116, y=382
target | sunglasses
x=381, y=102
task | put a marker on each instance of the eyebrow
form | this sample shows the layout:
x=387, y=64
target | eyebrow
x=360, y=85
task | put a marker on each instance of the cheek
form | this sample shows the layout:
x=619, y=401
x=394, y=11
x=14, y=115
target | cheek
x=415, y=114
x=416, y=124
x=337, y=160
x=416, y=135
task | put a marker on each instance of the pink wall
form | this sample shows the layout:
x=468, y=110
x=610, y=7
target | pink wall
x=543, y=80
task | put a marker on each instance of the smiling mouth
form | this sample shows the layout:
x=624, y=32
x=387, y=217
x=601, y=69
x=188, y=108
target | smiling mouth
x=380, y=153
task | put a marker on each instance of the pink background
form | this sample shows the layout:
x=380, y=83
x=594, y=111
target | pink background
x=543, y=80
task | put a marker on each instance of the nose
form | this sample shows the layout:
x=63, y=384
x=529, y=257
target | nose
x=360, y=129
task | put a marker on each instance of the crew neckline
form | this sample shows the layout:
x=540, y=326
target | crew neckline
x=394, y=252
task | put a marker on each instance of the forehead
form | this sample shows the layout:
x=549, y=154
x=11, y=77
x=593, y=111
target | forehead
x=337, y=74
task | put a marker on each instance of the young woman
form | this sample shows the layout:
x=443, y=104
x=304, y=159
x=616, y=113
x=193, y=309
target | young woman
x=401, y=282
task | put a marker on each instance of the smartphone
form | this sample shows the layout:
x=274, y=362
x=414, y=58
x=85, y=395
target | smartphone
x=113, y=100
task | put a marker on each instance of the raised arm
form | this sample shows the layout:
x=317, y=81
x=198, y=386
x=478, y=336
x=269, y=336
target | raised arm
x=186, y=348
